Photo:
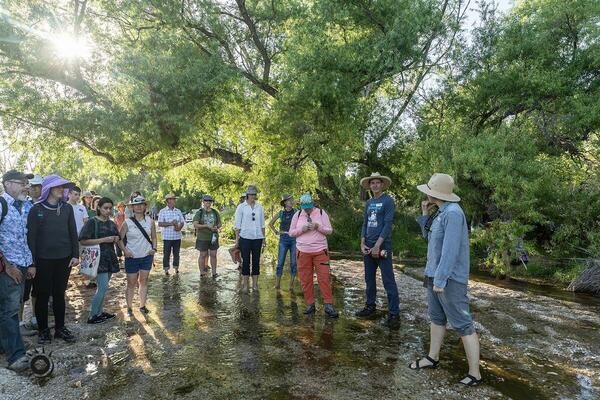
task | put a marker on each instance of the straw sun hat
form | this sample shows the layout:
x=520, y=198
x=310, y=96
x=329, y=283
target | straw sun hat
x=441, y=187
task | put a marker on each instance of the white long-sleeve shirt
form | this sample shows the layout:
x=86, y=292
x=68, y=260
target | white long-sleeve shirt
x=250, y=221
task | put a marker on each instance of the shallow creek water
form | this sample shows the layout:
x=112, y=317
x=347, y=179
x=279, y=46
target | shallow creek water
x=204, y=339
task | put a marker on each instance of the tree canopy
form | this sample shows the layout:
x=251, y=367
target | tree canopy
x=310, y=95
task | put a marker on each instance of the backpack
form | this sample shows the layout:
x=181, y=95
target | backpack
x=4, y=205
x=300, y=212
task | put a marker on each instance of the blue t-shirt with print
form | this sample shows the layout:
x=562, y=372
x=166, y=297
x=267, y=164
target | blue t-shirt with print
x=377, y=220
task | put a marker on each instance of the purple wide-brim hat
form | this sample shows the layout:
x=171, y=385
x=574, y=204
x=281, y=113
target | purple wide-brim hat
x=52, y=181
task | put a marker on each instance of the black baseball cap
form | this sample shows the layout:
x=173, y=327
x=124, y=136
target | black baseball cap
x=14, y=175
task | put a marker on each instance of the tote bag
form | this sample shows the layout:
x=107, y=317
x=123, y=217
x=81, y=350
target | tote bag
x=89, y=257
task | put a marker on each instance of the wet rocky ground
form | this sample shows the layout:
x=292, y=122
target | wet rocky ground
x=204, y=339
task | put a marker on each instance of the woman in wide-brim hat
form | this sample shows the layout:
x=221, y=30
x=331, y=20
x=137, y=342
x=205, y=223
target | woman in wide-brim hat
x=52, y=237
x=447, y=273
x=286, y=242
x=139, y=252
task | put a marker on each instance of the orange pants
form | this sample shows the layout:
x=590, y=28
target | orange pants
x=308, y=263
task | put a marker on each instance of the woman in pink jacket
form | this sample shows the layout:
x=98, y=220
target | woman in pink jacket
x=310, y=226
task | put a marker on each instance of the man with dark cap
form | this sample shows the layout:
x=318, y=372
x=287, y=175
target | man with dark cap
x=207, y=222
x=15, y=265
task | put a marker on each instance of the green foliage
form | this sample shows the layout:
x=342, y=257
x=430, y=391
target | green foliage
x=295, y=96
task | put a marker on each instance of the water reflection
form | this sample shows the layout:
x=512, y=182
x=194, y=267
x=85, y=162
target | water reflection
x=215, y=342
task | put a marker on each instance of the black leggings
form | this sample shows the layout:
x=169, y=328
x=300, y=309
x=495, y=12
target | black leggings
x=250, y=249
x=51, y=279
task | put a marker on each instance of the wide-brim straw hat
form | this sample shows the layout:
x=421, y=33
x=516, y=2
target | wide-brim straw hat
x=285, y=198
x=366, y=181
x=170, y=196
x=440, y=186
x=137, y=201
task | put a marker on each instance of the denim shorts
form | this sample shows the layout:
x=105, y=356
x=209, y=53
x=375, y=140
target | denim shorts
x=452, y=305
x=135, y=265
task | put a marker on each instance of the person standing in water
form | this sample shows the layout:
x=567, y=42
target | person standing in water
x=376, y=246
x=207, y=222
x=171, y=220
x=102, y=231
x=140, y=232
x=52, y=238
x=250, y=236
x=286, y=242
x=311, y=226
x=447, y=274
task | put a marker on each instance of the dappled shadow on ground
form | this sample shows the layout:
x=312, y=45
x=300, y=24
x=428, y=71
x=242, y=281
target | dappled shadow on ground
x=204, y=339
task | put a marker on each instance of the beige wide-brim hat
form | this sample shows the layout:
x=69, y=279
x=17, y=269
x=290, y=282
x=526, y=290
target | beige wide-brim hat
x=365, y=182
x=441, y=187
x=170, y=196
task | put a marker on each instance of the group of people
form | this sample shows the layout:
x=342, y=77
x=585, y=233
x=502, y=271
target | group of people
x=40, y=238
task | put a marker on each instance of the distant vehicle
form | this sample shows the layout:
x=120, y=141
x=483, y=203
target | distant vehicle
x=190, y=216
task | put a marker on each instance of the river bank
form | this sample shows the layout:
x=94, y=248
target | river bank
x=203, y=339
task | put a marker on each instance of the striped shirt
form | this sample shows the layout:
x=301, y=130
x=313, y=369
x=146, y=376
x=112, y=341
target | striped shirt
x=169, y=215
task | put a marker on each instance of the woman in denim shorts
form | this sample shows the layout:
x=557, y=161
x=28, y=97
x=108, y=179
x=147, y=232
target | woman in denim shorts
x=447, y=273
x=139, y=252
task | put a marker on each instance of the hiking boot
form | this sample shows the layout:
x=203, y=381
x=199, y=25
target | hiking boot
x=310, y=309
x=392, y=321
x=22, y=364
x=91, y=285
x=367, y=312
x=144, y=310
x=330, y=311
x=96, y=319
x=107, y=316
x=129, y=312
x=44, y=337
x=64, y=334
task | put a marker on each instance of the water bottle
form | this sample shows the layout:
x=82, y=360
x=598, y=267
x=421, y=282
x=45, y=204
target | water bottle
x=214, y=238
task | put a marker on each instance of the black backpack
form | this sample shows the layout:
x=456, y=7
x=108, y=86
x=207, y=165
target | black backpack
x=4, y=205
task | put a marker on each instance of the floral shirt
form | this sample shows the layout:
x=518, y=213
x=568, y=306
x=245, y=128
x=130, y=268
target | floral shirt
x=13, y=234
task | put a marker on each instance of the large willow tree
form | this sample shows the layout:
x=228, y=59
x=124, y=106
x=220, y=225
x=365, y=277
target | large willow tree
x=281, y=90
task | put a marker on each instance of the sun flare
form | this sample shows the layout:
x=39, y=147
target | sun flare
x=71, y=48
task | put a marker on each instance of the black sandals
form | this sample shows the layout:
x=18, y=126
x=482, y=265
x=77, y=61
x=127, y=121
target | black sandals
x=434, y=364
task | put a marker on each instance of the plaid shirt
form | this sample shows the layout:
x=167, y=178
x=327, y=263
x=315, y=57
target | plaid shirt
x=13, y=234
x=168, y=215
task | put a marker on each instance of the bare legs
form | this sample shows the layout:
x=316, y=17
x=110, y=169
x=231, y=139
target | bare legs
x=139, y=279
x=470, y=343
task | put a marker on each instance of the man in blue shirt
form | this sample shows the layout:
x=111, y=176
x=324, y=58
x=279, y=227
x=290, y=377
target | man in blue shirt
x=15, y=258
x=376, y=246
x=447, y=274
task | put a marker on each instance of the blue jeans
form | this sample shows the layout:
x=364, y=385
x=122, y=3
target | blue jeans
x=10, y=301
x=387, y=276
x=102, y=281
x=286, y=243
